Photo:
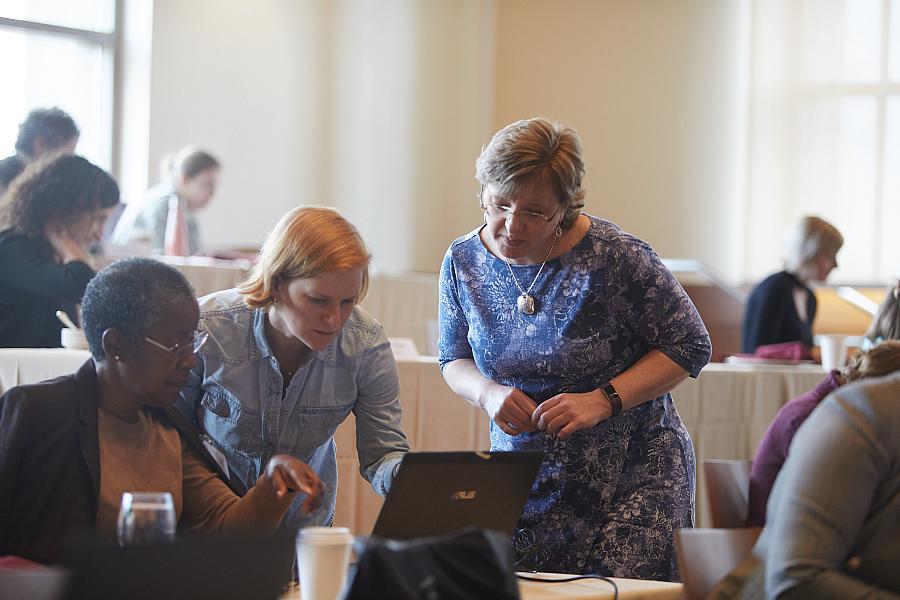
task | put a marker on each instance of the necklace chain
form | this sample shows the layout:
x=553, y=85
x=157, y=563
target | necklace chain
x=533, y=281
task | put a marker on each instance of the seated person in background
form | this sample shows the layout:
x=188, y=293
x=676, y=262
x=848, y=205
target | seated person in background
x=291, y=355
x=44, y=130
x=189, y=180
x=782, y=307
x=833, y=528
x=48, y=218
x=773, y=450
x=70, y=447
x=886, y=322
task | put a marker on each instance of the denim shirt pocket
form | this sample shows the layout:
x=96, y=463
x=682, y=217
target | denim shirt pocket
x=318, y=424
x=230, y=423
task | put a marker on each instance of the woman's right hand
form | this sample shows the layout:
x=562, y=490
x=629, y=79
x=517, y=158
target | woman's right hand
x=510, y=408
x=67, y=249
x=286, y=475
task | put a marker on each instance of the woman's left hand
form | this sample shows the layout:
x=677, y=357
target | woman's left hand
x=564, y=414
x=287, y=474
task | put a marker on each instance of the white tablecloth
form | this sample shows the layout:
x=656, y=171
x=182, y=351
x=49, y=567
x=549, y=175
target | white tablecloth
x=19, y=366
x=726, y=410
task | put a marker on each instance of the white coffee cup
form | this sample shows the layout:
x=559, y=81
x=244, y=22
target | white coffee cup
x=73, y=339
x=833, y=350
x=322, y=555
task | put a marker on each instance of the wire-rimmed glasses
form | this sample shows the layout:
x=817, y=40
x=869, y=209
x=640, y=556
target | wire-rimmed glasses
x=499, y=211
x=198, y=339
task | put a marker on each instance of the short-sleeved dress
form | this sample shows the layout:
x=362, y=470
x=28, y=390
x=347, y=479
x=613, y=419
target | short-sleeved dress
x=608, y=499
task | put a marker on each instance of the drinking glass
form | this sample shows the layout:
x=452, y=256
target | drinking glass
x=146, y=517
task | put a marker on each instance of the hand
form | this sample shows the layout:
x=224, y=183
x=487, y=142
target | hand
x=65, y=246
x=288, y=475
x=510, y=408
x=564, y=414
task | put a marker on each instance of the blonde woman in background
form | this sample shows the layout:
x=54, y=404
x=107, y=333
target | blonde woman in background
x=189, y=177
x=291, y=355
x=782, y=307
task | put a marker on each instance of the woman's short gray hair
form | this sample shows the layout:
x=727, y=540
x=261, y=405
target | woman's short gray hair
x=810, y=238
x=536, y=148
x=132, y=295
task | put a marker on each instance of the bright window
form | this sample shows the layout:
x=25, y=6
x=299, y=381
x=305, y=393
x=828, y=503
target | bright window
x=825, y=131
x=59, y=53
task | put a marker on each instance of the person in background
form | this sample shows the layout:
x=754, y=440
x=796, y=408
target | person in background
x=833, y=527
x=782, y=307
x=52, y=212
x=886, y=322
x=570, y=333
x=189, y=181
x=44, y=130
x=291, y=355
x=775, y=445
x=71, y=446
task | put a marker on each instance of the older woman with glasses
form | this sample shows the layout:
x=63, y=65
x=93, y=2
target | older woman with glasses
x=71, y=446
x=570, y=333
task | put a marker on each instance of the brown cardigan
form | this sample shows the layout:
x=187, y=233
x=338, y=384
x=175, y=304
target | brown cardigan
x=50, y=463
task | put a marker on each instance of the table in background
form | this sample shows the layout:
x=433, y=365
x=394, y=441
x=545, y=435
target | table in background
x=583, y=589
x=726, y=411
x=19, y=366
x=208, y=275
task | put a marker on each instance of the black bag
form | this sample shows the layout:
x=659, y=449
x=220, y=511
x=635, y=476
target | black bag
x=468, y=564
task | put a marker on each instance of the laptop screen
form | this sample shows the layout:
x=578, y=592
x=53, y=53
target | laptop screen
x=439, y=492
x=239, y=566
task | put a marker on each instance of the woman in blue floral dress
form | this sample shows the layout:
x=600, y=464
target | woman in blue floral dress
x=570, y=333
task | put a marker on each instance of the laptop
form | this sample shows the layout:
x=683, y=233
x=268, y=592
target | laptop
x=440, y=492
x=248, y=565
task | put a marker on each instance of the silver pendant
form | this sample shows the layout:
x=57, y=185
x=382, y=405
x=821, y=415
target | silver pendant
x=525, y=304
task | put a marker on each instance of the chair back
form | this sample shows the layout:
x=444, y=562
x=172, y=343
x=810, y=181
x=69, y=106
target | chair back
x=728, y=491
x=705, y=556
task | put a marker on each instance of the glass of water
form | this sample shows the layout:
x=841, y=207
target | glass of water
x=146, y=517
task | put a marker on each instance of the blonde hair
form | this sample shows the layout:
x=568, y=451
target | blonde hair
x=886, y=322
x=810, y=238
x=309, y=241
x=880, y=360
x=535, y=148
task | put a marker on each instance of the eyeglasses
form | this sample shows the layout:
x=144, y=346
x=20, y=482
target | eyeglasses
x=197, y=341
x=498, y=211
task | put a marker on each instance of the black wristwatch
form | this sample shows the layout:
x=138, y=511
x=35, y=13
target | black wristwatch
x=613, y=396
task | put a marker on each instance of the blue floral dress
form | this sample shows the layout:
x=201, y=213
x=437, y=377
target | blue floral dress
x=608, y=499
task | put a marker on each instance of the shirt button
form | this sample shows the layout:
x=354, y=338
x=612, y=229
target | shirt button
x=854, y=563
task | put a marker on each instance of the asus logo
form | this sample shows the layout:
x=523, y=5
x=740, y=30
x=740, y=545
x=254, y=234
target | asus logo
x=463, y=495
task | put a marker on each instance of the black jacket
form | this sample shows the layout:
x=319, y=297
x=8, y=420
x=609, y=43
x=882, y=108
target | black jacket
x=33, y=286
x=50, y=463
x=771, y=315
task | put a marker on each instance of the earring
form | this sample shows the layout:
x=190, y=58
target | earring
x=116, y=357
x=558, y=231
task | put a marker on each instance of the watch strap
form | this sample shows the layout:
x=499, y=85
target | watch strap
x=613, y=396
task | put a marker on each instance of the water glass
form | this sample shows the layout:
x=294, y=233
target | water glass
x=146, y=517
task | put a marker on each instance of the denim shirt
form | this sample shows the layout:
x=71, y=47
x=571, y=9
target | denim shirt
x=235, y=395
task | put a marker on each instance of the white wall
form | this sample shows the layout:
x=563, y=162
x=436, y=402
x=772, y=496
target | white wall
x=241, y=79
x=653, y=88
x=381, y=107
x=378, y=108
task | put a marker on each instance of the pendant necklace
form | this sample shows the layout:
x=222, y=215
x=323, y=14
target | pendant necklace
x=525, y=302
